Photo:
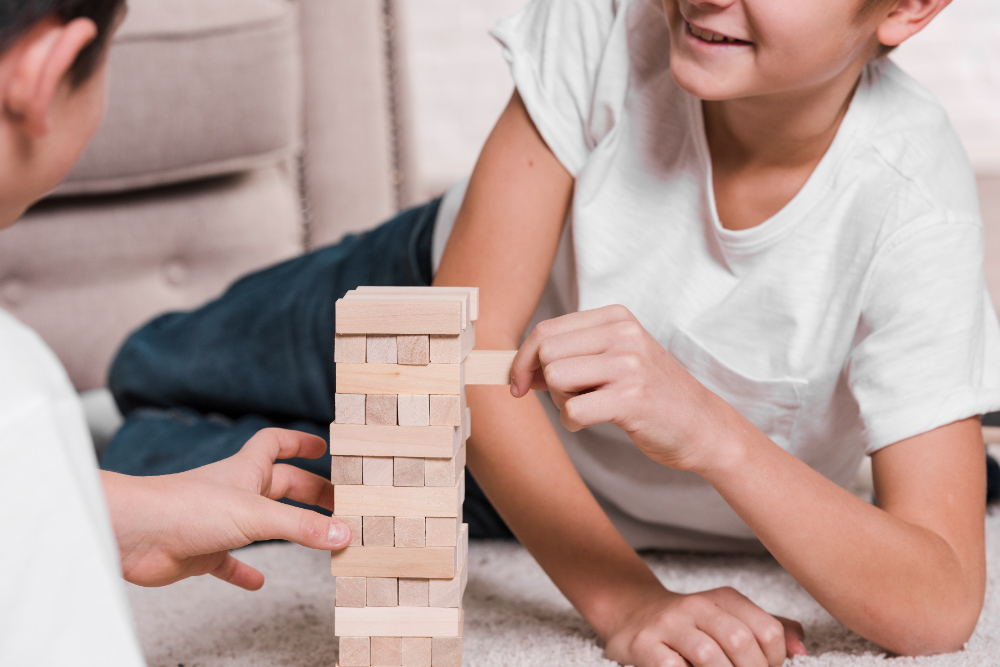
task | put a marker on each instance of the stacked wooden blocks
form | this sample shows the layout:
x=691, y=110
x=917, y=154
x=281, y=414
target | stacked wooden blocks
x=398, y=448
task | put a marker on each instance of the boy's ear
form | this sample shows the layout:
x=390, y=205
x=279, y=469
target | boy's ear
x=907, y=18
x=37, y=64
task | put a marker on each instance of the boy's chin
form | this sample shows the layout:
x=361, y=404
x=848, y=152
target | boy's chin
x=706, y=85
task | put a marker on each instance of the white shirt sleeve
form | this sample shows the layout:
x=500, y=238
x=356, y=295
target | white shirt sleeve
x=928, y=350
x=556, y=49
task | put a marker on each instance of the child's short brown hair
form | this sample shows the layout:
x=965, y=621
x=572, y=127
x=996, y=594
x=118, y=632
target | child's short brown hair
x=17, y=17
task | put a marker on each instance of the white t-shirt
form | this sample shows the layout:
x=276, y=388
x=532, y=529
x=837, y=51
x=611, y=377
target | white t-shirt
x=63, y=598
x=853, y=318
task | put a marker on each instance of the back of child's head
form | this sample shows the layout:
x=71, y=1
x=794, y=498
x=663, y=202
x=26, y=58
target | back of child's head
x=18, y=16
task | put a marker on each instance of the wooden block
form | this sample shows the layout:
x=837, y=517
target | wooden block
x=417, y=651
x=481, y=367
x=398, y=621
x=399, y=317
x=409, y=532
x=435, y=296
x=445, y=472
x=472, y=292
x=446, y=651
x=408, y=471
x=376, y=471
x=414, y=592
x=349, y=408
x=426, y=563
x=380, y=410
x=349, y=349
x=409, y=441
x=381, y=350
x=462, y=549
x=351, y=592
x=354, y=652
x=397, y=501
x=448, y=592
x=398, y=379
x=453, y=349
x=413, y=350
x=345, y=470
x=447, y=410
x=440, y=532
x=468, y=424
x=383, y=592
x=387, y=651
x=414, y=410
x=355, y=524
x=378, y=531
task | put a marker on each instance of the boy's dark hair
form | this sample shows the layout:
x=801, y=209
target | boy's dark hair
x=18, y=16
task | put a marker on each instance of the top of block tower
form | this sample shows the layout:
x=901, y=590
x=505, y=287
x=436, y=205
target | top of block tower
x=472, y=292
x=420, y=311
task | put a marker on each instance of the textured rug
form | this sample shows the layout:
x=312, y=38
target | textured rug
x=514, y=615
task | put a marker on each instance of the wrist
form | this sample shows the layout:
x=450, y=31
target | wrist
x=727, y=442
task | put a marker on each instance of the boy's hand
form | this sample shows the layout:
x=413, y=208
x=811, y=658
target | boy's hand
x=717, y=628
x=603, y=366
x=184, y=525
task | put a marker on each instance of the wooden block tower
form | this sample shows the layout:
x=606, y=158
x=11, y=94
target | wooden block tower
x=404, y=356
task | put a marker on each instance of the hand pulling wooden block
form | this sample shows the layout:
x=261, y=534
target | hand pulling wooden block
x=453, y=349
x=413, y=592
x=430, y=297
x=380, y=410
x=399, y=379
x=377, y=470
x=409, y=441
x=414, y=410
x=387, y=651
x=355, y=524
x=398, y=621
x=481, y=367
x=413, y=350
x=354, y=652
x=445, y=472
x=352, y=592
x=417, y=651
x=446, y=410
x=381, y=350
x=345, y=470
x=410, y=532
x=349, y=408
x=399, y=317
x=378, y=531
x=473, y=293
x=408, y=472
x=419, y=501
x=446, y=652
x=426, y=563
x=383, y=592
x=349, y=349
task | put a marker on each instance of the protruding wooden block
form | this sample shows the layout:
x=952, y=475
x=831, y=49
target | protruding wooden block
x=468, y=423
x=350, y=349
x=351, y=592
x=345, y=470
x=448, y=592
x=446, y=652
x=442, y=532
x=387, y=651
x=409, y=441
x=484, y=367
x=398, y=621
x=398, y=379
x=399, y=317
x=397, y=500
x=410, y=532
x=380, y=410
x=354, y=523
x=471, y=292
x=383, y=592
x=445, y=472
x=453, y=349
x=447, y=410
x=349, y=408
x=381, y=350
x=377, y=471
x=417, y=651
x=354, y=652
x=408, y=471
x=414, y=592
x=413, y=350
x=426, y=563
x=379, y=531
x=414, y=410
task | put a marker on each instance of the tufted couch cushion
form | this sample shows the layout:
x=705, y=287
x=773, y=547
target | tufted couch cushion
x=187, y=80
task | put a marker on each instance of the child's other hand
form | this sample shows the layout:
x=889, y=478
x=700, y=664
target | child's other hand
x=603, y=366
x=717, y=628
x=184, y=525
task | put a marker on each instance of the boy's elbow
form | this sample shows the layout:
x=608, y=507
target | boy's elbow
x=944, y=629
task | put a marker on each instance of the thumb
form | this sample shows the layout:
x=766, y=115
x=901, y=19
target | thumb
x=277, y=521
x=794, y=634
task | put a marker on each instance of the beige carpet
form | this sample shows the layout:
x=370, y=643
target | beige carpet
x=514, y=615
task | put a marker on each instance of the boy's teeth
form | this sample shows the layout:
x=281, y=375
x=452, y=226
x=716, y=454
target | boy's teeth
x=709, y=36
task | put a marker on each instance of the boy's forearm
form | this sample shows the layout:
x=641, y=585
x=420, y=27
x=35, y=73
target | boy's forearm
x=520, y=463
x=896, y=583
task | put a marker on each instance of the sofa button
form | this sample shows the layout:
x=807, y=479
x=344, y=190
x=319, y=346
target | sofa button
x=175, y=272
x=12, y=291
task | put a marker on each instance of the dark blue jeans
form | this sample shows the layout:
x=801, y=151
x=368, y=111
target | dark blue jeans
x=195, y=386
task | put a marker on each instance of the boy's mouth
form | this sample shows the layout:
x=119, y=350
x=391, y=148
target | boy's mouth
x=712, y=37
